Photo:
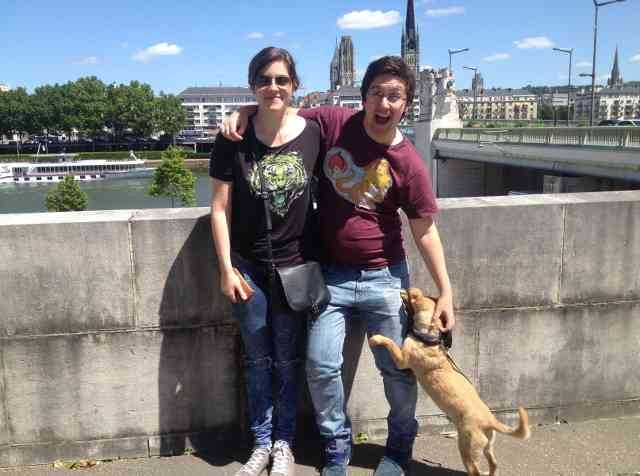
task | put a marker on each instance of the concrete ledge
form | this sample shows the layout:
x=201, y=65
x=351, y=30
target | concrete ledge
x=601, y=256
x=66, y=277
x=177, y=280
x=120, y=344
x=22, y=455
x=118, y=385
x=559, y=356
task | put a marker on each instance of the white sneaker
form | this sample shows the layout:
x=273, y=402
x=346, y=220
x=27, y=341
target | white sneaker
x=283, y=461
x=257, y=462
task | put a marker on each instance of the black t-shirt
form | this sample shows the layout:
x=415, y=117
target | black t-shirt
x=287, y=171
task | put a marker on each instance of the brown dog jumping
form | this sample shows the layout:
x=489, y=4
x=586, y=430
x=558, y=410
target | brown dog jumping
x=448, y=388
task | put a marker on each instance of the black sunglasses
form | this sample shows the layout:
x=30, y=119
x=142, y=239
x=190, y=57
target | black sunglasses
x=264, y=81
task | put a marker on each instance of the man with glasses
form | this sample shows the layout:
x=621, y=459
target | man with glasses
x=369, y=171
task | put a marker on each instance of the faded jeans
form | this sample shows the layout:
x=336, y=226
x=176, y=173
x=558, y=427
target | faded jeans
x=273, y=341
x=374, y=295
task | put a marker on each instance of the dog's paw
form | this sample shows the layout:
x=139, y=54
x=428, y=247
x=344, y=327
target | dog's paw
x=376, y=340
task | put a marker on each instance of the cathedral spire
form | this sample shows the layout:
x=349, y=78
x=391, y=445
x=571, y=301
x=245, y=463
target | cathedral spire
x=410, y=43
x=615, y=80
x=410, y=26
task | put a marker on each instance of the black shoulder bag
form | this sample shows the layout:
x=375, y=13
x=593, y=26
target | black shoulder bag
x=303, y=284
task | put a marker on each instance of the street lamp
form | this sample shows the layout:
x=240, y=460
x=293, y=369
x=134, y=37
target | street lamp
x=569, y=51
x=455, y=52
x=595, y=44
x=475, y=87
x=588, y=75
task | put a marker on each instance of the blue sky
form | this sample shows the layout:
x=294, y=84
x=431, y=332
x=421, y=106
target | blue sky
x=174, y=45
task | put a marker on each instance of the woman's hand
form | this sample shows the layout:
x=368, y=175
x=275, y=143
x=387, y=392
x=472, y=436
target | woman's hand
x=444, y=312
x=231, y=287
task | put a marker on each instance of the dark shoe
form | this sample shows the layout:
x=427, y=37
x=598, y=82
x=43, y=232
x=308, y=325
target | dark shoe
x=334, y=470
x=388, y=467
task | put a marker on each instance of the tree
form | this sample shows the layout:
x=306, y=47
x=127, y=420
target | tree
x=173, y=179
x=66, y=197
x=169, y=115
x=90, y=98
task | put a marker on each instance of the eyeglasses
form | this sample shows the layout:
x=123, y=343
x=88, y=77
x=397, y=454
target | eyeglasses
x=263, y=81
x=393, y=97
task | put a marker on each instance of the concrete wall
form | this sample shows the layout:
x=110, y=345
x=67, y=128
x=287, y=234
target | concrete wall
x=114, y=340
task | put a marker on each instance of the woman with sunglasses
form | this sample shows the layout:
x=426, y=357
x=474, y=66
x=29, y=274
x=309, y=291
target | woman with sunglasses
x=276, y=160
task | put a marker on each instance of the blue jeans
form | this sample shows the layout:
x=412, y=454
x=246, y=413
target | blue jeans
x=374, y=295
x=273, y=341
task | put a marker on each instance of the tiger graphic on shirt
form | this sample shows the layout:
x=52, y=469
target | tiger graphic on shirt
x=285, y=178
x=363, y=186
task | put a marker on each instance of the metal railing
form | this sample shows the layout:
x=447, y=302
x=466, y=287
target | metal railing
x=616, y=137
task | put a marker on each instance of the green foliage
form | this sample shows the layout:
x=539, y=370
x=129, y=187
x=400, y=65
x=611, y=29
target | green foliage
x=169, y=115
x=66, y=197
x=89, y=106
x=172, y=179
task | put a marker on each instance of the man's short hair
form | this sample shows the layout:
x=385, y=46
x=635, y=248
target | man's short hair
x=395, y=66
x=269, y=55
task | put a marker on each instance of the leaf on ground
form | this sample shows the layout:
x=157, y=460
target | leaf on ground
x=78, y=464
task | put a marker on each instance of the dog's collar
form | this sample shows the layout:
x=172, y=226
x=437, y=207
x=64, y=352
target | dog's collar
x=426, y=338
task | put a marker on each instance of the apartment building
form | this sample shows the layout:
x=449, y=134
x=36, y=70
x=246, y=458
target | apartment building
x=610, y=103
x=507, y=104
x=207, y=107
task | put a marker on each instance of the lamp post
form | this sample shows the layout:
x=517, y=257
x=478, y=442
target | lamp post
x=475, y=88
x=455, y=52
x=569, y=51
x=597, y=5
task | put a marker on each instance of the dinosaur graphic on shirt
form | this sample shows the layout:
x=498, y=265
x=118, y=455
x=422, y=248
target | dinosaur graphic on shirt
x=363, y=186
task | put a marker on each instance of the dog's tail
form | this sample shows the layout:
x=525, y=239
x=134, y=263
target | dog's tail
x=521, y=431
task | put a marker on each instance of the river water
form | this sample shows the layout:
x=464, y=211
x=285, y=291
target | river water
x=109, y=194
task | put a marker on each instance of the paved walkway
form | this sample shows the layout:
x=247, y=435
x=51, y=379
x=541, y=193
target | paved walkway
x=595, y=448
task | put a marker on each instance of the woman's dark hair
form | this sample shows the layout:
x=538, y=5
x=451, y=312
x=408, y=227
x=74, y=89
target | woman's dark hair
x=395, y=66
x=267, y=56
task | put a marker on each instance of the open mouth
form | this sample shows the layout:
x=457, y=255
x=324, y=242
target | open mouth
x=382, y=120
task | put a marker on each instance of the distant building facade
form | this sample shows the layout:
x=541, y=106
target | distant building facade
x=498, y=104
x=4, y=88
x=207, y=107
x=345, y=96
x=410, y=41
x=610, y=103
x=342, y=69
x=616, y=101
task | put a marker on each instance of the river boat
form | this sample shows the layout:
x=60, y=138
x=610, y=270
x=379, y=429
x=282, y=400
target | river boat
x=81, y=170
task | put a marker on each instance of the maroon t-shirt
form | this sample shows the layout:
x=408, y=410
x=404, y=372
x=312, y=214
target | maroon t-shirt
x=362, y=185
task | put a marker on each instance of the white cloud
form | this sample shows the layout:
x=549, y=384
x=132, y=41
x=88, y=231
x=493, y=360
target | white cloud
x=534, y=42
x=498, y=57
x=279, y=34
x=87, y=61
x=445, y=12
x=635, y=59
x=366, y=19
x=159, y=49
x=255, y=35
x=583, y=64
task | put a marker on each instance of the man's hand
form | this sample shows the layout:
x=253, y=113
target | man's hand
x=234, y=126
x=444, y=312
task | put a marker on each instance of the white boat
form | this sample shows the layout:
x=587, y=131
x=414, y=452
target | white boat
x=82, y=170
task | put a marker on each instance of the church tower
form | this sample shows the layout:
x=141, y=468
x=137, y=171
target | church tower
x=410, y=46
x=615, y=81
